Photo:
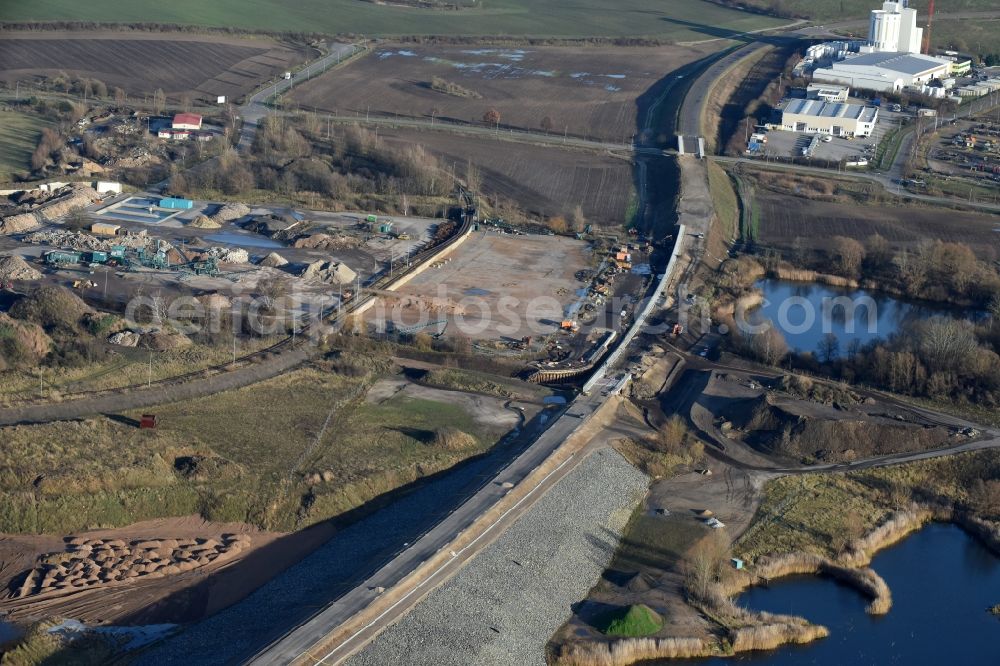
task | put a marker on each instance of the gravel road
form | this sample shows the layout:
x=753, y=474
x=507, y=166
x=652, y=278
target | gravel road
x=503, y=607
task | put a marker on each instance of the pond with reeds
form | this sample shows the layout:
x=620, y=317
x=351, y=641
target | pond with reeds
x=942, y=581
x=804, y=312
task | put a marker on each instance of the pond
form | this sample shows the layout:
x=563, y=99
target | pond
x=942, y=582
x=805, y=312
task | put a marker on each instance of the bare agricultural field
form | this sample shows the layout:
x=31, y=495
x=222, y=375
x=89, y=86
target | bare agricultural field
x=200, y=65
x=495, y=286
x=541, y=180
x=786, y=221
x=581, y=91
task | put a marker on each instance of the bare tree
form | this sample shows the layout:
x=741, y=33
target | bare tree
x=848, y=253
x=547, y=123
x=828, y=348
x=186, y=102
x=159, y=101
x=120, y=96
x=577, y=221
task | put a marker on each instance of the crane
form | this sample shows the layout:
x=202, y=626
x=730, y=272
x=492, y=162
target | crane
x=927, y=32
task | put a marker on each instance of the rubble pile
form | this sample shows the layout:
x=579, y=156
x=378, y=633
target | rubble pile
x=125, y=339
x=229, y=255
x=327, y=242
x=81, y=241
x=78, y=197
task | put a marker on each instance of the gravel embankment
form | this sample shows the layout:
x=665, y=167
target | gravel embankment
x=237, y=632
x=506, y=603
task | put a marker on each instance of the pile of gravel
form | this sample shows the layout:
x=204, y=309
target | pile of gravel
x=504, y=605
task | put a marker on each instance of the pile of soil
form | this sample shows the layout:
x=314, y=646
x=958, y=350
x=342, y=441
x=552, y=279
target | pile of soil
x=163, y=341
x=204, y=222
x=18, y=224
x=16, y=268
x=327, y=242
x=125, y=339
x=51, y=307
x=28, y=336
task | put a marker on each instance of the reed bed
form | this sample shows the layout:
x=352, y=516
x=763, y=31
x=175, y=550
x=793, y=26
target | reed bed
x=631, y=650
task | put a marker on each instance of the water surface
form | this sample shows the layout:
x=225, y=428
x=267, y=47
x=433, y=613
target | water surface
x=805, y=312
x=942, y=582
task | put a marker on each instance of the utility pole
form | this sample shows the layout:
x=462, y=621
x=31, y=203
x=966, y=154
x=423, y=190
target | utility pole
x=234, y=347
x=149, y=377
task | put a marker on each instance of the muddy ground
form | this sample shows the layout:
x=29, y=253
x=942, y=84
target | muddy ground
x=540, y=180
x=140, y=63
x=582, y=91
x=789, y=222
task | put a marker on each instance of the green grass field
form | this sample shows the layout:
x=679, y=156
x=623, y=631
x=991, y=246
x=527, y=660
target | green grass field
x=833, y=10
x=681, y=20
x=18, y=137
x=243, y=455
x=976, y=36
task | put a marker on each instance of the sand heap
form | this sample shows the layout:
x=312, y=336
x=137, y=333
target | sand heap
x=327, y=242
x=274, y=260
x=230, y=212
x=204, y=222
x=18, y=224
x=16, y=268
x=329, y=272
x=89, y=563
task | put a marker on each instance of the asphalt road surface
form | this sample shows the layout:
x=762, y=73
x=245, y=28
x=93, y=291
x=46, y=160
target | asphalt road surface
x=297, y=642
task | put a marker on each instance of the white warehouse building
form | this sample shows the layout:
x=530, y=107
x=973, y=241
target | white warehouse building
x=885, y=72
x=819, y=117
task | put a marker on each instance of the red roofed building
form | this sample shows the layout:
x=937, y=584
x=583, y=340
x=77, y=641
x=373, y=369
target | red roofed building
x=186, y=121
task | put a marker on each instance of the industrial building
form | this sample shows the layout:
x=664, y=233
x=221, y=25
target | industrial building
x=186, y=121
x=885, y=72
x=828, y=92
x=893, y=29
x=835, y=118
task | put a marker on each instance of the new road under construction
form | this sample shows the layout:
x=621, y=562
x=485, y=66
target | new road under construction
x=345, y=626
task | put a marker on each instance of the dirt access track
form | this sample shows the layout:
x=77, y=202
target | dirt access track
x=583, y=91
x=786, y=220
x=473, y=290
x=203, y=66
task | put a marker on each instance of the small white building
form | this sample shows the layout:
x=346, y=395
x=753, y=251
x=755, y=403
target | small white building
x=835, y=118
x=884, y=72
